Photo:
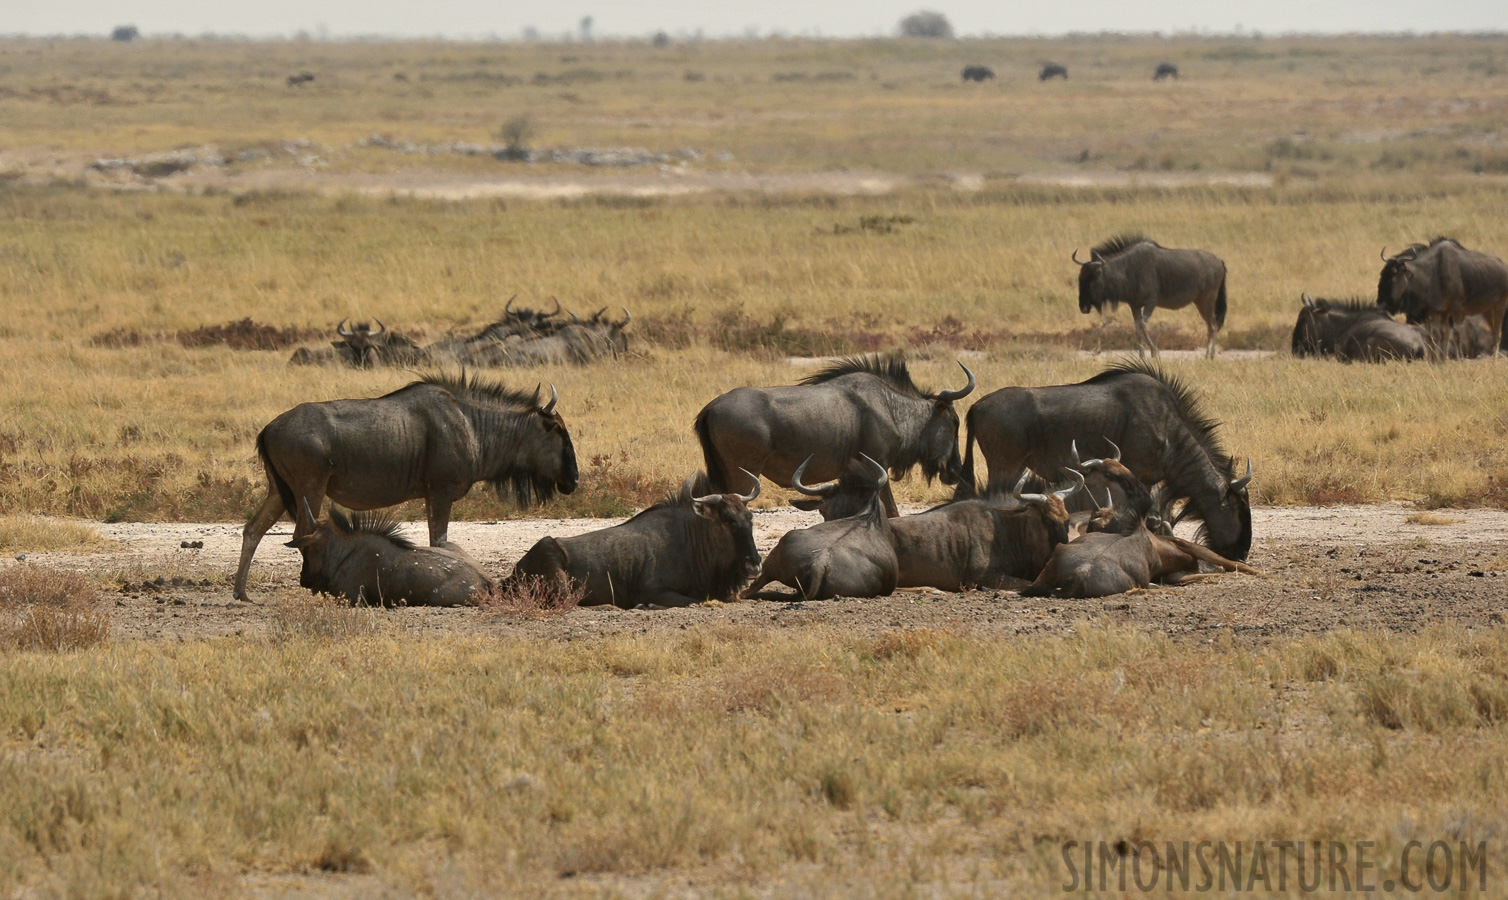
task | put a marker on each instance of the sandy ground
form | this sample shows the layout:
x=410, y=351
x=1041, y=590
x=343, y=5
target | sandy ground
x=1344, y=566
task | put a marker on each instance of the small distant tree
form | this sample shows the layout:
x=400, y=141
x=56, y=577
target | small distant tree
x=516, y=133
x=586, y=29
x=124, y=33
x=928, y=24
x=661, y=39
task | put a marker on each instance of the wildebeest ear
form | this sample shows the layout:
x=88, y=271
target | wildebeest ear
x=704, y=506
x=300, y=543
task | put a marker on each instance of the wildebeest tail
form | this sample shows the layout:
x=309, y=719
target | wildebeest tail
x=290, y=502
x=715, y=473
x=1220, y=304
x=967, y=488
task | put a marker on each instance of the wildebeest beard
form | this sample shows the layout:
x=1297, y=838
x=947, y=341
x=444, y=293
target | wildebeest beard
x=1086, y=278
x=530, y=487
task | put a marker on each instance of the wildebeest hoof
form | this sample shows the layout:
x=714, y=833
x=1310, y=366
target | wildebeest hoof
x=650, y=606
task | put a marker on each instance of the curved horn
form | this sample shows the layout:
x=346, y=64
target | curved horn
x=950, y=396
x=627, y=317
x=344, y=329
x=508, y=307
x=826, y=489
x=1308, y=299
x=554, y=398
x=1109, y=498
x=1076, y=258
x=884, y=476
x=1016, y=491
x=1384, y=254
x=574, y=317
x=1114, y=450
x=381, y=328
x=1244, y=480
x=556, y=311
x=597, y=317
x=1073, y=451
x=1065, y=493
x=313, y=520
x=754, y=478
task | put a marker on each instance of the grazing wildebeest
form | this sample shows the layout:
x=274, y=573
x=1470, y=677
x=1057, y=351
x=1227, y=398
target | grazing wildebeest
x=365, y=559
x=1100, y=564
x=865, y=405
x=1165, y=70
x=300, y=78
x=1052, y=70
x=1153, y=416
x=1139, y=272
x=433, y=439
x=980, y=543
x=1440, y=284
x=1353, y=331
x=852, y=557
x=364, y=348
x=978, y=73
x=685, y=550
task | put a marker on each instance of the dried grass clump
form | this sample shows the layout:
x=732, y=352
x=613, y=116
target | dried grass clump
x=301, y=616
x=40, y=533
x=533, y=597
x=49, y=610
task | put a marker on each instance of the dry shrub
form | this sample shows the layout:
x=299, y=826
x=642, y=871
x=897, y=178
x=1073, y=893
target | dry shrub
x=120, y=338
x=1430, y=518
x=910, y=643
x=35, y=533
x=50, y=610
x=340, y=854
x=301, y=616
x=246, y=335
x=533, y=597
x=767, y=689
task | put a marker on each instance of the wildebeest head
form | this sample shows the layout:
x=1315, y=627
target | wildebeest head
x=939, y=456
x=1307, y=336
x=361, y=341
x=1092, y=283
x=1229, y=538
x=1394, y=292
x=731, y=512
x=315, y=546
x=1050, y=505
x=837, y=499
x=546, y=457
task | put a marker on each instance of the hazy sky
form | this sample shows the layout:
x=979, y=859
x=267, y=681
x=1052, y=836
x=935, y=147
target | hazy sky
x=508, y=18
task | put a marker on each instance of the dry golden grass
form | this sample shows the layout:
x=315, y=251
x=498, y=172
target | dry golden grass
x=1430, y=518
x=809, y=760
x=50, y=610
x=32, y=533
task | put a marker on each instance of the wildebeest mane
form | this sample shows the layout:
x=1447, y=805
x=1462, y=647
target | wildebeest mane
x=1203, y=426
x=1352, y=304
x=1121, y=243
x=890, y=368
x=476, y=389
x=377, y=523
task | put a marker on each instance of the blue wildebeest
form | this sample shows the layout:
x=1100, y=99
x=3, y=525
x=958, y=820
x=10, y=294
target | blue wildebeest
x=1353, y=331
x=852, y=557
x=978, y=73
x=1165, y=70
x=1440, y=284
x=1105, y=563
x=364, y=558
x=694, y=546
x=1154, y=417
x=860, y=405
x=1144, y=275
x=1052, y=70
x=433, y=439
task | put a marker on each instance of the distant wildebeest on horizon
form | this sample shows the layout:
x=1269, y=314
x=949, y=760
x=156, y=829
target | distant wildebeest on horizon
x=1439, y=284
x=1353, y=330
x=694, y=546
x=364, y=558
x=850, y=557
x=1154, y=417
x=1137, y=271
x=978, y=73
x=433, y=439
x=300, y=79
x=1052, y=70
x=1165, y=70
x=859, y=405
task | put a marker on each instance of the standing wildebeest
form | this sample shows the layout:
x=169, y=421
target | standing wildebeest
x=1165, y=70
x=859, y=405
x=852, y=557
x=1052, y=70
x=980, y=74
x=969, y=543
x=365, y=559
x=1102, y=563
x=687, y=549
x=1353, y=331
x=1153, y=416
x=1441, y=284
x=1139, y=272
x=432, y=439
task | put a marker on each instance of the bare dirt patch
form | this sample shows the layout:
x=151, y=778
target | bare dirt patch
x=1332, y=567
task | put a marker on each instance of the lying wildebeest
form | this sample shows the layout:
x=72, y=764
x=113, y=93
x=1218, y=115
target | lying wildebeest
x=685, y=550
x=1353, y=331
x=978, y=73
x=365, y=559
x=433, y=439
x=1165, y=70
x=570, y=343
x=1137, y=503
x=980, y=543
x=1153, y=416
x=860, y=405
x=300, y=79
x=513, y=324
x=364, y=348
x=1440, y=284
x=1101, y=564
x=852, y=557
x=1052, y=70
x=1141, y=273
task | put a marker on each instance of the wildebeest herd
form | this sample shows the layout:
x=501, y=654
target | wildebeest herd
x=837, y=438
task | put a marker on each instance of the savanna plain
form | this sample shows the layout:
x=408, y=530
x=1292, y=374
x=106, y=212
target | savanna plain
x=771, y=201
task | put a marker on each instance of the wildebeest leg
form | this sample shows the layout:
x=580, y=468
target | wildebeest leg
x=667, y=599
x=437, y=510
x=1209, y=325
x=1495, y=325
x=266, y=516
x=1176, y=578
x=1143, y=335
